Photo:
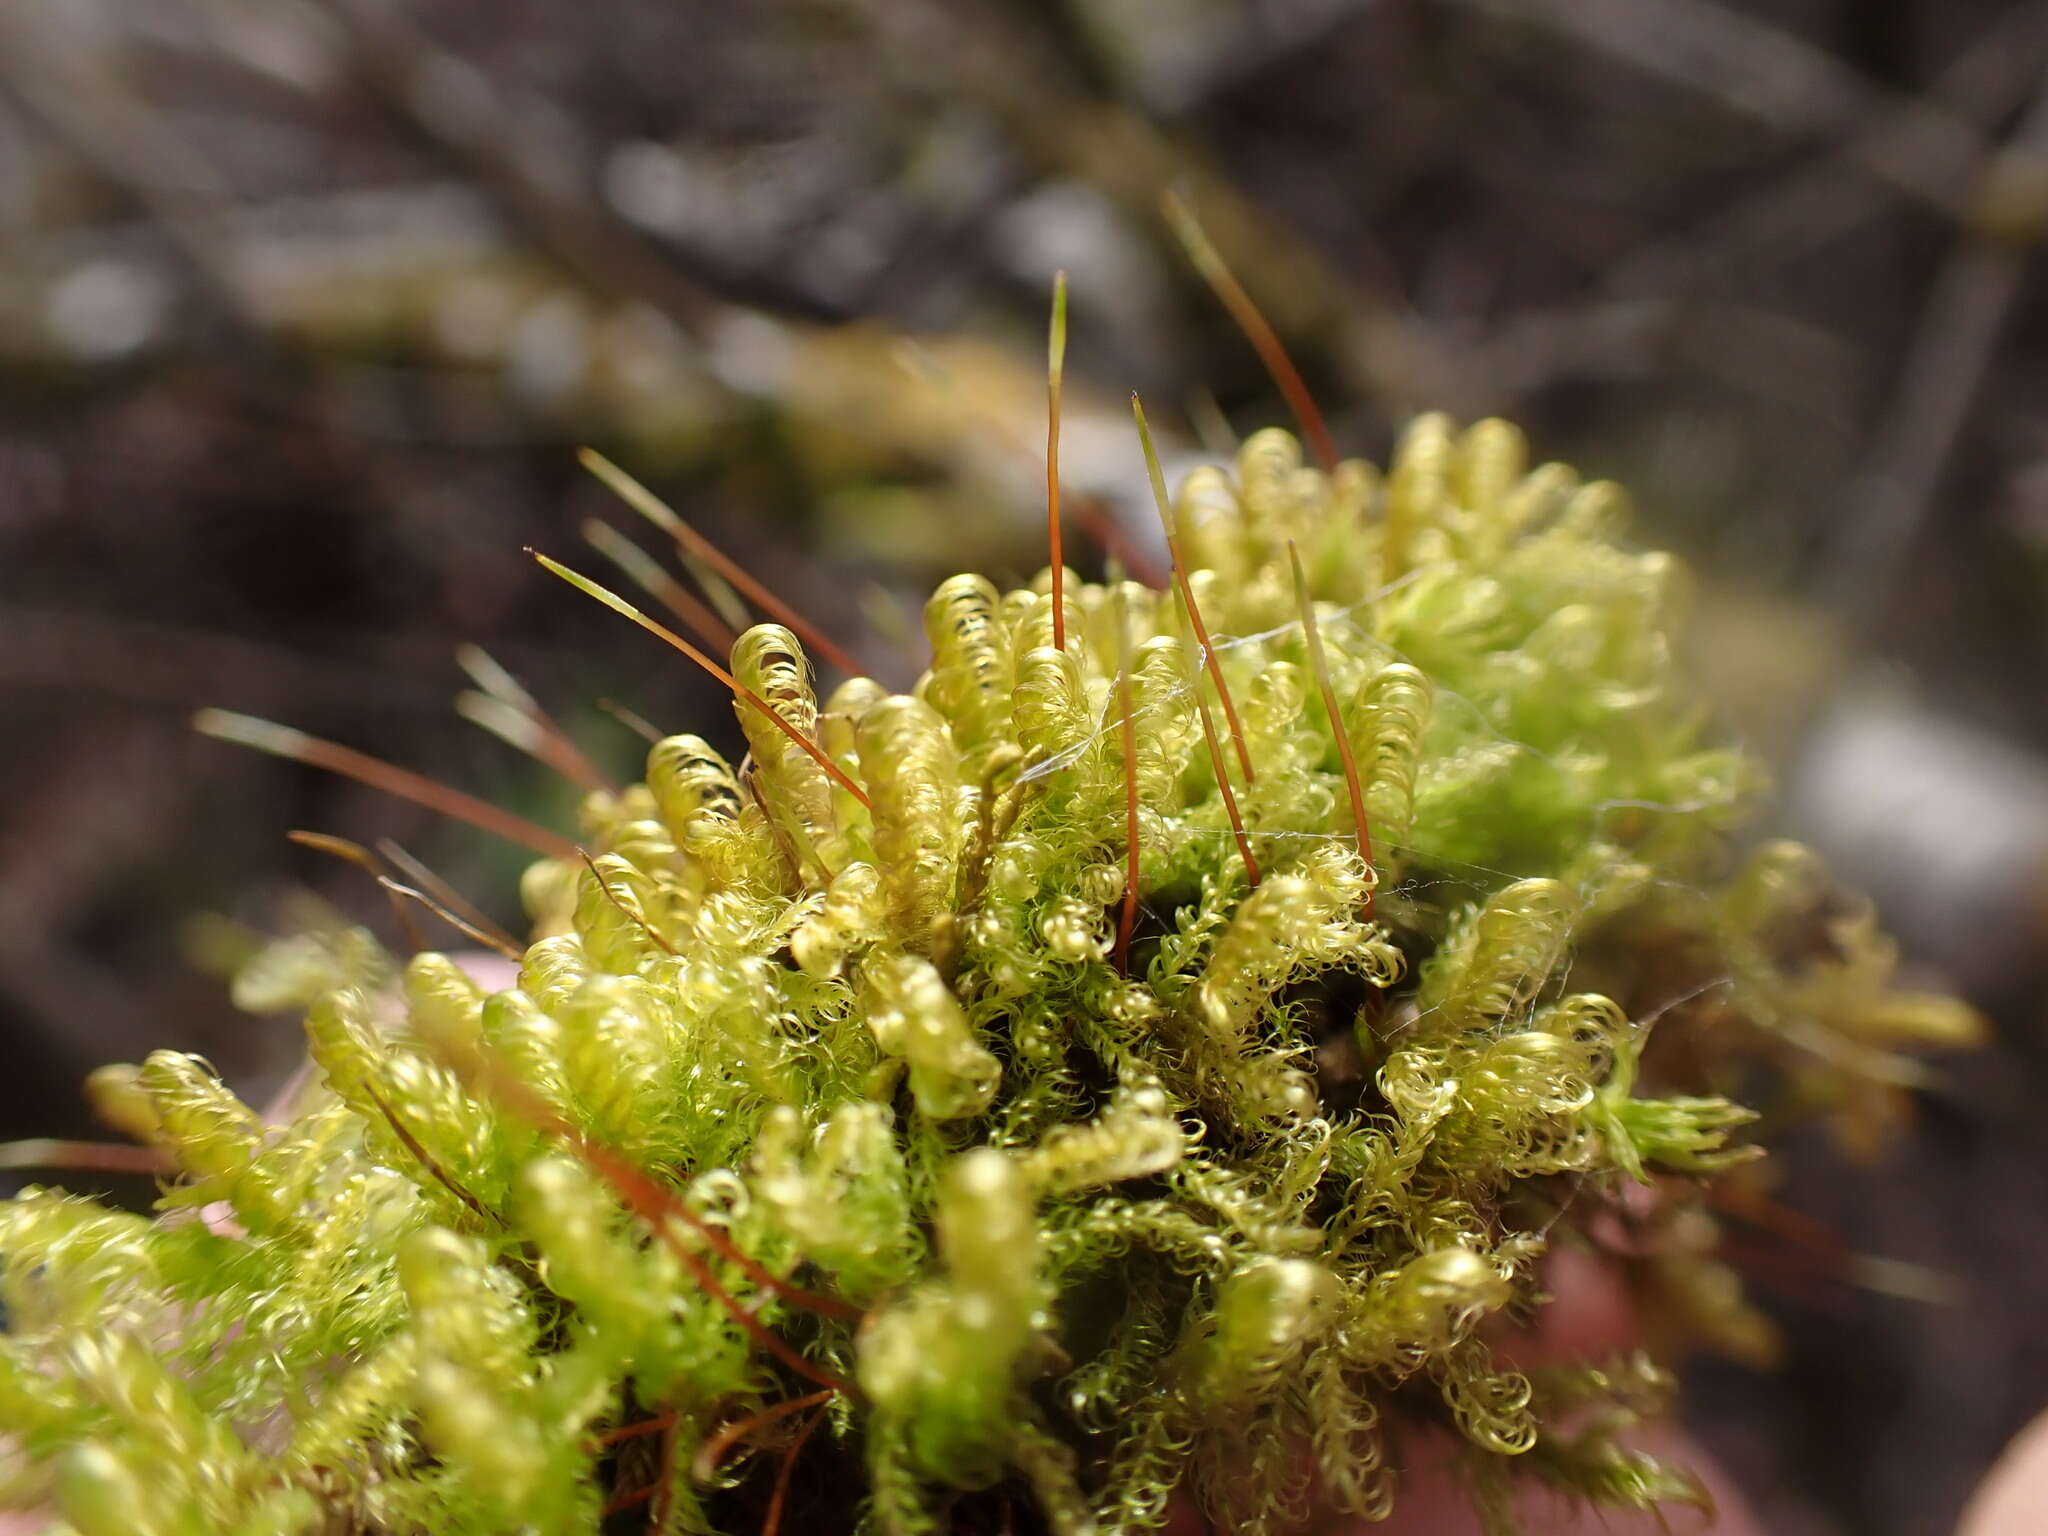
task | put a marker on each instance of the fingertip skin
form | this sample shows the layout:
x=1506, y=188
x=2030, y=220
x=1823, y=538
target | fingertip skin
x=1433, y=1502
x=2013, y=1500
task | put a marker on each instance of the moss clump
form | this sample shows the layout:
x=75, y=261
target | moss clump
x=824, y=1130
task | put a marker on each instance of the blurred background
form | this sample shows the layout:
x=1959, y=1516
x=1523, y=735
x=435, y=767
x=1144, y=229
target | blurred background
x=305, y=307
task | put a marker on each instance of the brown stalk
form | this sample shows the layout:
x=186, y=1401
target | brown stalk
x=542, y=738
x=1321, y=663
x=1230, y=292
x=1187, y=591
x=714, y=1449
x=428, y=1161
x=83, y=1156
x=672, y=594
x=1129, y=918
x=619, y=605
x=448, y=896
x=656, y=1206
x=283, y=741
x=637, y=919
x=658, y=512
x=356, y=854
x=1055, y=370
x=771, y=1524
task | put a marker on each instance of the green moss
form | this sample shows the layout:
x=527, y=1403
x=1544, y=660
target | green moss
x=800, y=1100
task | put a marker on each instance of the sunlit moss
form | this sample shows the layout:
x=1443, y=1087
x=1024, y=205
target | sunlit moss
x=804, y=1100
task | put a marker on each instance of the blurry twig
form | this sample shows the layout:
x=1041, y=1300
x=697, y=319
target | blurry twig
x=1019, y=63
x=1817, y=202
x=87, y=105
x=1774, y=78
x=1776, y=357
x=1953, y=345
x=118, y=796
x=466, y=116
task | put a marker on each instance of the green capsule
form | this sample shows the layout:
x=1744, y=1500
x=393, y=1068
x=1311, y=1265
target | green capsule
x=972, y=675
x=1498, y=957
x=690, y=780
x=916, y=1017
x=1386, y=720
x=213, y=1134
x=553, y=969
x=445, y=1007
x=796, y=791
x=851, y=912
x=1487, y=464
x=914, y=786
x=119, y=1099
x=1265, y=1316
x=1051, y=713
x=616, y=909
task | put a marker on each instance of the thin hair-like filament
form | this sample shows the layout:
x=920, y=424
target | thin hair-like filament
x=620, y=606
x=658, y=512
x=454, y=920
x=714, y=1449
x=1055, y=371
x=543, y=738
x=1128, y=725
x=497, y=937
x=1187, y=590
x=637, y=919
x=355, y=853
x=647, y=573
x=1321, y=664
